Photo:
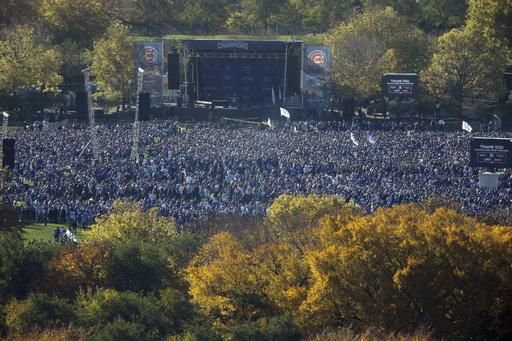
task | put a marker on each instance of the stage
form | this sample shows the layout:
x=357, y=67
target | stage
x=236, y=76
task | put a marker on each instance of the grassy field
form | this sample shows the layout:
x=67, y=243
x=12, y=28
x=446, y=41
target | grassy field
x=45, y=233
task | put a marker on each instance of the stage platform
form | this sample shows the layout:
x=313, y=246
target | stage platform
x=204, y=114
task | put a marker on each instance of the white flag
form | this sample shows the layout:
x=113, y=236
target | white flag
x=353, y=139
x=285, y=112
x=5, y=114
x=371, y=139
x=466, y=127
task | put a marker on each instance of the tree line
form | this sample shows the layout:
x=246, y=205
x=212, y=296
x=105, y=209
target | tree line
x=460, y=48
x=313, y=268
x=63, y=19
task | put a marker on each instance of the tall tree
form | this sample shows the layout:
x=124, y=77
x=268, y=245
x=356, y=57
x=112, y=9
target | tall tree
x=81, y=21
x=410, y=9
x=429, y=14
x=402, y=267
x=369, y=44
x=25, y=62
x=128, y=222
x=261, y=13
x=466, y=64
x=16, y=12
x=493, y=17
x=153, y=15
x=207, y=15
x=442, y=14
x=320, y=16
x=224, y=281
x=113, y=65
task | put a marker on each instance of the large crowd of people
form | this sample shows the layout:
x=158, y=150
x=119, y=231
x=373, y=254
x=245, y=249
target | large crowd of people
x=195, y=171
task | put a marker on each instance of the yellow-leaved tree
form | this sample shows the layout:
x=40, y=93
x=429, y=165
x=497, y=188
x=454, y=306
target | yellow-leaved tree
x=26, y=62
x=75, y=268
x=264, y=272
x=290, y=233
x=128, y=222
x=404, y=267
x=291, y=218
x=225, y=283
x=113, y=64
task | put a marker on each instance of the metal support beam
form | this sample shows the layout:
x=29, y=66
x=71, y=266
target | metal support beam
x=136, y=125
x=92, y=122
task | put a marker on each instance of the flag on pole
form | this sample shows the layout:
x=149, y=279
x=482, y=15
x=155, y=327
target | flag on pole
x=284, y=112
x=353, y=139
x=466, y=127
x=370, y=138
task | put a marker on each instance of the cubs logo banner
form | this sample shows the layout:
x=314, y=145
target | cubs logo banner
x=149, y=57
x=317, y=77
x=317, y=58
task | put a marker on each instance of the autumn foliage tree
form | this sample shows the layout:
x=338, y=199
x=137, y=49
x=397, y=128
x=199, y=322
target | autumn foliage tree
x=397, y=269
x=26, y=61
x=79, y=20
x=369, y=45
x=464, y=65
x=128, y=222
x=113, y=64
x=75, y=268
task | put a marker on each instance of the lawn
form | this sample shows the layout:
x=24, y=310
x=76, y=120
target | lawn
x=45, y=233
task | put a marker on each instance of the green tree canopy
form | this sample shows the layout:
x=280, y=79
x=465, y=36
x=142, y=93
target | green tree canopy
x=369, y=44
x=37, y=311
x=154, y=317
x=429, y=14
x=113, y=64
x=25, y=62
x=319, y=16
x=154, y=16
x=16, y=12
x=206, y=15
x=493, y=18
x=466, y=64
x=260, y=14
x=81, y=21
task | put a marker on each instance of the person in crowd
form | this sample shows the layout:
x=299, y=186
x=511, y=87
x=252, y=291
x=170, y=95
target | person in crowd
x=192, y=173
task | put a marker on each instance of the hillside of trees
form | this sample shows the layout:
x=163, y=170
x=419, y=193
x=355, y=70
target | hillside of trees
x=460, y=48
x=313, y=268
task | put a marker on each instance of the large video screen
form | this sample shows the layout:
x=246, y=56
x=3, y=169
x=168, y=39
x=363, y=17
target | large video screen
x=491, y=152
x=243, y=72
x=400, y=85
x=249, y=80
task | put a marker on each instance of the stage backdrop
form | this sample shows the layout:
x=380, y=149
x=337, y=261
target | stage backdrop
x=317, y=77
x=149, y=57
x=246, y=72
